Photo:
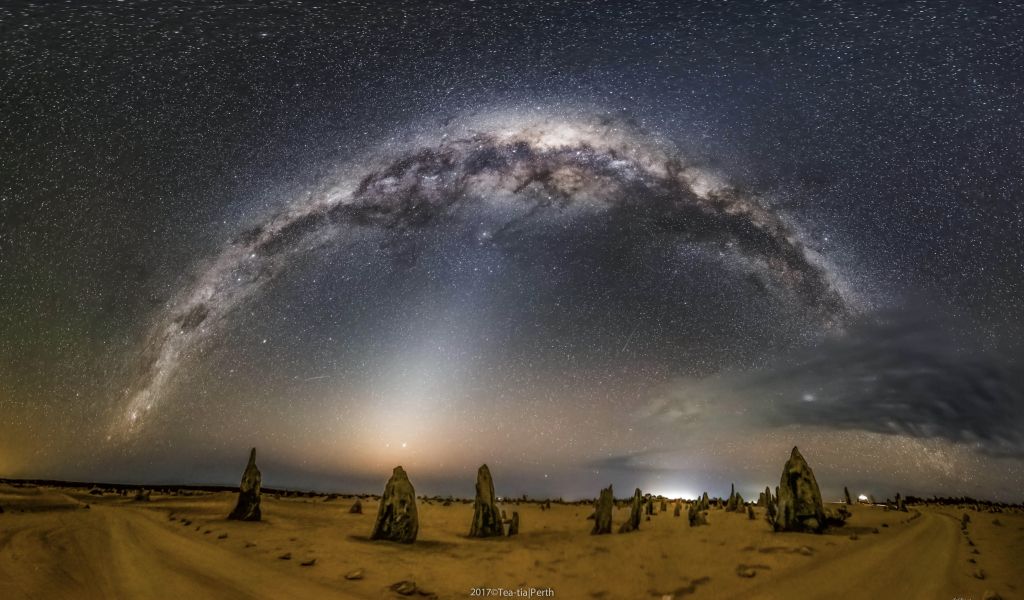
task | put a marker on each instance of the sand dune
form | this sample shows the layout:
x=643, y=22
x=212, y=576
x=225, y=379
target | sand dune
x=51, y=546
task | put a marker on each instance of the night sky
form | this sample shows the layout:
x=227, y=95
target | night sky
x=653, y=244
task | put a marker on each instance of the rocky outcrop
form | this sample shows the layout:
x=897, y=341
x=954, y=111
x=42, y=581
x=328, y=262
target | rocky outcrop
x=798, y=506
x=397, y=519
x=513, y=526
x=248, y=506
x=837, y=517
x=603, y=512
x=356, y=508
x=486, y=516
x=635, y=512
x=696, y=516
x=732, y=505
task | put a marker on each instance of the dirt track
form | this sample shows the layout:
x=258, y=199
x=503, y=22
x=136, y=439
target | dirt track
x=113, y=552
x=917, y=561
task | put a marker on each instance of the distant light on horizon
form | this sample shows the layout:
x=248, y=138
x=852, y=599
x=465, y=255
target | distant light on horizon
x=675, y=494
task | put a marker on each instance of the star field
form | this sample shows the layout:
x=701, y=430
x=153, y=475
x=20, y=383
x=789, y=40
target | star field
x=645, y=243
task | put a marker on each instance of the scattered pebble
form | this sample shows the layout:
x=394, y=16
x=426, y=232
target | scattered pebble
x=286, y=556
x=404, y=587
x=749, y=570
x=308, y=563
x=355, y=575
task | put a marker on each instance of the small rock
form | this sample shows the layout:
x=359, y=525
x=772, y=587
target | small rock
x=979, y=574
x=805, y=550
x=308, y=563
x=749, y=570
x=991, y=595
x=355, y=575
x=405, y=587
x=286, y=556
x=853, y=536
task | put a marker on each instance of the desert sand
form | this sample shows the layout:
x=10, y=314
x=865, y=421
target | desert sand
x=66, y=543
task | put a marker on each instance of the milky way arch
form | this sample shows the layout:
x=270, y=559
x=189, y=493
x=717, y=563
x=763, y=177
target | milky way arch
x=539, y=167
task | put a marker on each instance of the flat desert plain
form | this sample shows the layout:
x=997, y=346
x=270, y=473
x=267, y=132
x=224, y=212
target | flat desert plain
x=66, y=543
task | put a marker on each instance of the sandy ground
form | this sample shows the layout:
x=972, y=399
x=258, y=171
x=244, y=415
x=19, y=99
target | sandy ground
x=181, y=547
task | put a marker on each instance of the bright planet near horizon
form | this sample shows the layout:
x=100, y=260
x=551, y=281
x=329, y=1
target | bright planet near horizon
x=647, y=244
